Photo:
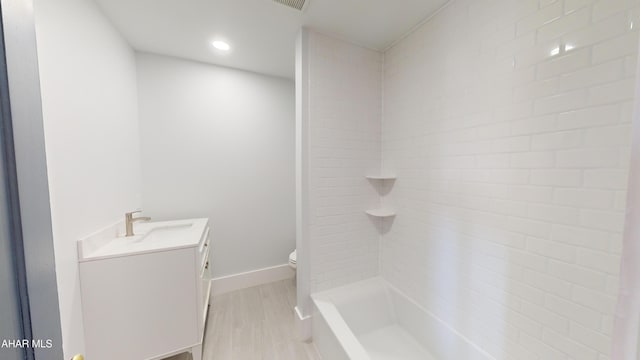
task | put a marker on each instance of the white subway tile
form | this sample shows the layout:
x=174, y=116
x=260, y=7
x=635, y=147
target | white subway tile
x=594, y=75
x=573, y=5
x=609, y=136
x=607, y=327
x=506, y=207
x=535, y=20
x=536, y=90
x=620, y=202
x=598, y=32
x=545, y=317
x=554, y=214
x=593, y=239
x=631, y=65
x=532, y=160
x=528, y=260
x=562, y=177
x=589, y=158
x=534, y=125
x=511, y=144
x=573, y=100
x=543, y=350
x=492, y=131
x=515, y=45
x=599, y=261
x=615, y=92
x=618, y=47
x=588, y=117
x=603, y=220
x=576, y=313
x=543, y=3
x=493, y=161
x=597, y=199
x=531, y=193
x=528, y=227
x=595, y=300
x=557, y=140
x=577, y=275
x=570, y=22
x=613, y=285
x=626, y=112
x=568, y=346
x=590, y=338
x=616, y=244
x=526, y=292
x=606, y=8
x=551, y=249
x=550, y=284
x=606, y=179
x=565, y=63
x=513, y=110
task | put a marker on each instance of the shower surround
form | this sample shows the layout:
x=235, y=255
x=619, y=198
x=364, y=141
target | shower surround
x=508, y=125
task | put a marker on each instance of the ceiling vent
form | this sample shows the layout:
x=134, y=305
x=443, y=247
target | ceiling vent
x=296, y=4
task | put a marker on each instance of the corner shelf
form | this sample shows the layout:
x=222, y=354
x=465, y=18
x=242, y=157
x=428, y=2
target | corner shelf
x=382, y=212
x=382, y=182
x=381, y=177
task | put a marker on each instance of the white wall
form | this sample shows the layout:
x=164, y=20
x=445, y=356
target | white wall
x=219, y=143
x=343, y=145
x=88, y=82
x=512, y=166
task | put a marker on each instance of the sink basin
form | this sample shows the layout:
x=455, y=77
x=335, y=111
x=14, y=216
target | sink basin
x=150, y=236
x=164, y=233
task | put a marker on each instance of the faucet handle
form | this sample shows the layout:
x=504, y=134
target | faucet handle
x=129, y=220
x=129, y=215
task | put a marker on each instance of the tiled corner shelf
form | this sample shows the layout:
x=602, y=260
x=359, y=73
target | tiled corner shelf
x=382, y=212
x=381, y=177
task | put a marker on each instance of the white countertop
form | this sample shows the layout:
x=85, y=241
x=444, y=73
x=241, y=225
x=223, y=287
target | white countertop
x=150, y=237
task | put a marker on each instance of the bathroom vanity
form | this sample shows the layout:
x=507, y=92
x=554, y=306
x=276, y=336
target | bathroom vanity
x=145, y=297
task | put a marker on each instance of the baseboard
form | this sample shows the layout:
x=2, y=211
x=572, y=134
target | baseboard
x=303, y=326
x=225, y=284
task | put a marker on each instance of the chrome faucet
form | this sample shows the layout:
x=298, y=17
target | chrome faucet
x=129, y=220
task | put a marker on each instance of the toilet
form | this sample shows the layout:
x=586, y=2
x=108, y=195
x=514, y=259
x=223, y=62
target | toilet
x=292, y=260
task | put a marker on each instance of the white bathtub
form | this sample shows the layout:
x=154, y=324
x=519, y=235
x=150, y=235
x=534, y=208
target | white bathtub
x=371, y=320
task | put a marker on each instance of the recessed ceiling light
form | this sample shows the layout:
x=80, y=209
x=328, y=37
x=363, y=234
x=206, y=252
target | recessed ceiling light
x=221, y=45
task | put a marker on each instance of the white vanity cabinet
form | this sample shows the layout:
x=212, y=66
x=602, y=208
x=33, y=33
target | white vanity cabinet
x=146, y=297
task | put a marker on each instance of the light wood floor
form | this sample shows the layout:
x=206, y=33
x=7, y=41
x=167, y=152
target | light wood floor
x=254, y=324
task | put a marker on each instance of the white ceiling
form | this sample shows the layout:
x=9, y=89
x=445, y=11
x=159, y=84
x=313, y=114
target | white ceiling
x=261, y=32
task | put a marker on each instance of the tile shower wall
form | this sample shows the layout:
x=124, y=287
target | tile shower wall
x=508, y=124
x=345, y=87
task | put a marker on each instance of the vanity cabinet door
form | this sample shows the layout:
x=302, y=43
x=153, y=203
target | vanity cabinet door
x=141, y=306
